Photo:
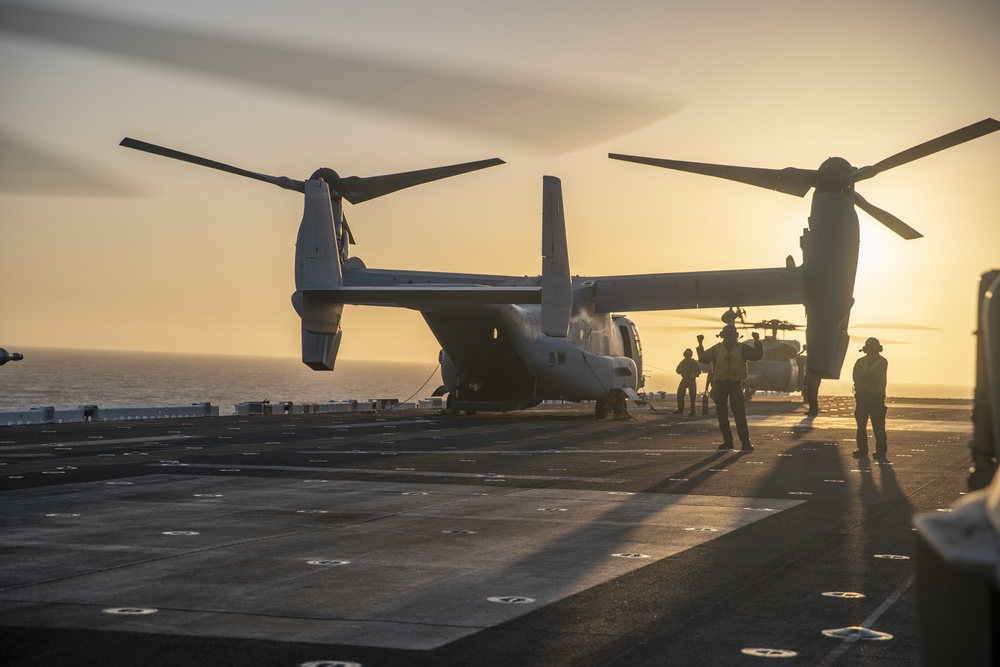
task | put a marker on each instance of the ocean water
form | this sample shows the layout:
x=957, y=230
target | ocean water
x=69, y=378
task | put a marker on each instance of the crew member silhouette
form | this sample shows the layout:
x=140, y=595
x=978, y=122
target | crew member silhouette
x=729, y=369
x=870, y=372
x=689, y=370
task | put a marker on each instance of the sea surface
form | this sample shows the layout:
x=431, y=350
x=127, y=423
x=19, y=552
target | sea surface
x=63, y=378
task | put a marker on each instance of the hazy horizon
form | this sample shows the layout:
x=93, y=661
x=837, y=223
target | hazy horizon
x=657, y=379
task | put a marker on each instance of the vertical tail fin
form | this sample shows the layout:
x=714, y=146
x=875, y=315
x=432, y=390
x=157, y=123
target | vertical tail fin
x=557, y=284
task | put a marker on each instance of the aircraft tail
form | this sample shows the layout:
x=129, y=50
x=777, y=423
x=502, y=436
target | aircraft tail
x=318, y=266
x=557, y=284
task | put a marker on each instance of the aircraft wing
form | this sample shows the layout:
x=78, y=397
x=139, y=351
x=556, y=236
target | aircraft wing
x=468, y=294
x=699, y=289
x=655, y=291
x=423, y=297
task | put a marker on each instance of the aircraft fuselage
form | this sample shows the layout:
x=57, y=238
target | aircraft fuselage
x=505, y=361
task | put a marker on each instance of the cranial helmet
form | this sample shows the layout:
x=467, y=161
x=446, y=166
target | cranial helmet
x=871, y=344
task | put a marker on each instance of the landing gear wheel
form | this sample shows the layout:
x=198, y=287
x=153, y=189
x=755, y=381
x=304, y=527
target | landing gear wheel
x=601, y=409
x=619, y=406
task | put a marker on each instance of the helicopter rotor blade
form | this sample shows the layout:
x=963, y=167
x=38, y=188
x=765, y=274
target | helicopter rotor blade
x=553, y=118
x=28, y=169
x=855, y=340
x=280, y=181
x=672, y=327
x=701, y=318
x=790, y=180
x=955, y=138
x=781, y=325
x=357, y=189
x=894, y=325
x=887, y=219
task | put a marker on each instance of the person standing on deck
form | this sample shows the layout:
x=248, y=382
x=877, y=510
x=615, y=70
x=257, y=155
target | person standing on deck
x=729, y=369
x=870, y=373
x=689, y=370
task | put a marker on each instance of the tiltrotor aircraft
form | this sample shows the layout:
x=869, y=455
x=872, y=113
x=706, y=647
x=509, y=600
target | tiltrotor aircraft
x=511, y=342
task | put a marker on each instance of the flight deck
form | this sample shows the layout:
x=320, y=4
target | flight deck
x=542, y=537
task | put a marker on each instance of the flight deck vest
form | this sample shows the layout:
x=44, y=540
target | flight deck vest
x=729, y=364
x=869, y=375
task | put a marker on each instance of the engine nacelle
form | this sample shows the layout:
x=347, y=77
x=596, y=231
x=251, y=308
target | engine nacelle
x=317, y=266
x=321, y=330
x=830, y=259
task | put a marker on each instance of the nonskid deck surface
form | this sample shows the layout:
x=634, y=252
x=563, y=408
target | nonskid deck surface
x=543, y=538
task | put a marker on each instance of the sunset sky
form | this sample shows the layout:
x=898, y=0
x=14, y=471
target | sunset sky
x=159, y=255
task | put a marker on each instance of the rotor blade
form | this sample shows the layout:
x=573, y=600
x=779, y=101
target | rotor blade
x=671, y=327
x=772, y=324
x=27, y=169
x=702, y=318
x=357, y=189
x=350, y=234
x=894, y=325
x=885, y=341
x=790, y=181
x=543, y=115
x=280, y=181
x=887, y=219
x=955, y=138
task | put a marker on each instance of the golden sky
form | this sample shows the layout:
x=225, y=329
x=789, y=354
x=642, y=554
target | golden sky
x=199, y=261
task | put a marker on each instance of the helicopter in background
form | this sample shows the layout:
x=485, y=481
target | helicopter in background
x=783, y=367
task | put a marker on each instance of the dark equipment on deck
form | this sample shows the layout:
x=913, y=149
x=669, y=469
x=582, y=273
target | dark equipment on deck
x=6, y=356
x=958, y=578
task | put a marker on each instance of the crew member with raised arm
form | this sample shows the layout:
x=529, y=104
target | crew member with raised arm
x=729, y=369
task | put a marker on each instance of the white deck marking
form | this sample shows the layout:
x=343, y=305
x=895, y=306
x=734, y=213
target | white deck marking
x=848, y=423
x=396, y=471
x=99, y=442
x=419, y=571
